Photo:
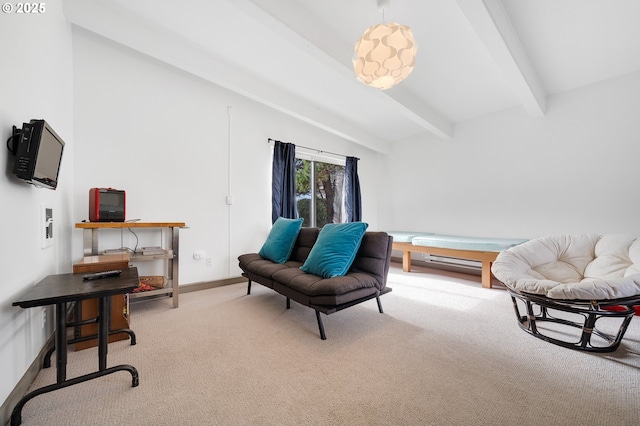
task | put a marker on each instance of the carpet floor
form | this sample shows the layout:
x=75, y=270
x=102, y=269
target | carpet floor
x=445, y=352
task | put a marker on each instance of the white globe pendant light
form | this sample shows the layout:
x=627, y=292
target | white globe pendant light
x=385, y=55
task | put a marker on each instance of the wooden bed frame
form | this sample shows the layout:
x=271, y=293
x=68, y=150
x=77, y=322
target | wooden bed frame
x=486, y=257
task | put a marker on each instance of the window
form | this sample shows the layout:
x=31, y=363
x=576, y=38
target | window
x=319, y=192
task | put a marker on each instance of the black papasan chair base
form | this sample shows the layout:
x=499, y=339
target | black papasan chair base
x=539, y=309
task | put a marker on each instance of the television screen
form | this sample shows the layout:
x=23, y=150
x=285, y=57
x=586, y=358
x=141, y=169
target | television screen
x=38, y=154
x=49, y=156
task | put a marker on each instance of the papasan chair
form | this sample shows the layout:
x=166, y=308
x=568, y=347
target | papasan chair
x=562, y=287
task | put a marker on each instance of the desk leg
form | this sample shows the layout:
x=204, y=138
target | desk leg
x=61, y=342
x=103, y=331
x=16, y=414
x=104, y=310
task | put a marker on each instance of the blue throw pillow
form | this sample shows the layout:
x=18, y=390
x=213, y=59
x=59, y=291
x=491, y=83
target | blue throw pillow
x=335, y=249
x=281, y=240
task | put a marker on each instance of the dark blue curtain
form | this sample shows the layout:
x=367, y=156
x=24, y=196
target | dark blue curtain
x=283, y=191
x=353, y=202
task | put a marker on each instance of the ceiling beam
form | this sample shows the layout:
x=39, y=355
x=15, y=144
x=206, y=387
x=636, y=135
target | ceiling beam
x=491, y=23
x=299, y=26
x=108, y=22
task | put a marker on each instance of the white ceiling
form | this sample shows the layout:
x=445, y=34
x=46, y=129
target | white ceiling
x=474, y=57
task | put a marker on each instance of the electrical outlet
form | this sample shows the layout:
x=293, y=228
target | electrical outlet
x=209, y=262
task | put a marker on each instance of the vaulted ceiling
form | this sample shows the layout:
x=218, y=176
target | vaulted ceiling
x=474, y=57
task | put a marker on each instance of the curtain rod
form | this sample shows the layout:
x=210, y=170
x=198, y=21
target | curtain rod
x=314, y=149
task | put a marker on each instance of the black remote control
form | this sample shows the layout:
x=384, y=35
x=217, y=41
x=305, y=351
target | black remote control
x=103, y=274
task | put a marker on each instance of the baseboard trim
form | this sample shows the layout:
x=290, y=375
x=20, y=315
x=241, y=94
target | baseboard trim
x=22, y=386
x=204, y=285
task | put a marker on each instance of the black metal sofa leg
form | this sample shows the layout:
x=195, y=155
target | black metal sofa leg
x=249, y=288
x=320, y=326
x=379, y=305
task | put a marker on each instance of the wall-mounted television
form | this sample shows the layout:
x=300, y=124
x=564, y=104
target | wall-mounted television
x=38, y=150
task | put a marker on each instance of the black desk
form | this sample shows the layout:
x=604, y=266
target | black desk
x=60, y=290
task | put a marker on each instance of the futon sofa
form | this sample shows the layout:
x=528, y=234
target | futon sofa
x=365, y=279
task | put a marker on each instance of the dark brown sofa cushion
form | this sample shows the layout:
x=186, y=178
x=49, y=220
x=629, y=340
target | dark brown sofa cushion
x=306, y=239
x=367, y=275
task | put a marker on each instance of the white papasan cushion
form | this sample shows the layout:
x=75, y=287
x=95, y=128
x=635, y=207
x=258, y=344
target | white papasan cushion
x=584, y=267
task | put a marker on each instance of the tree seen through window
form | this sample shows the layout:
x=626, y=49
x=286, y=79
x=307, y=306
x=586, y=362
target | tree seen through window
x=326, y=182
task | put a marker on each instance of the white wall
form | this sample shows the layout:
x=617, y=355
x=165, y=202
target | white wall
x=575, y=170
x=35, y=83
x=179, y=145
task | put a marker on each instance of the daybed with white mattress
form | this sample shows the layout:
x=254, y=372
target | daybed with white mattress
x=481, y=249
x=562, y=279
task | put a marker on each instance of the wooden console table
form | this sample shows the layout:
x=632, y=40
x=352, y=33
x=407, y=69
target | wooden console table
x=171, y=258
x=59, y=290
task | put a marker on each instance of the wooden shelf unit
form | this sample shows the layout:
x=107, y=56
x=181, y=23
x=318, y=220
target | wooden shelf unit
x=89, y=307
x=90, y=247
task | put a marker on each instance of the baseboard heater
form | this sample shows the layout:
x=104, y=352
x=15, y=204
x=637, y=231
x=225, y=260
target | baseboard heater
x=453, y=264
x=451, y=261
